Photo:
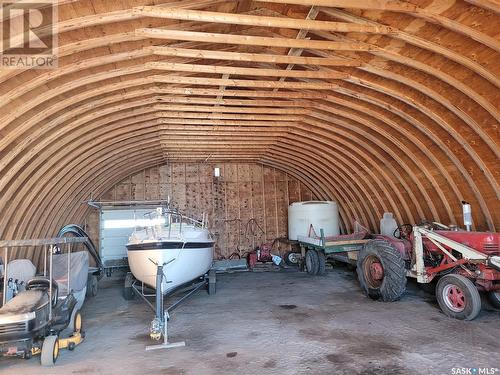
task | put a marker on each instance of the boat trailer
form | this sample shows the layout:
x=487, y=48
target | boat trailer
x=159, y=325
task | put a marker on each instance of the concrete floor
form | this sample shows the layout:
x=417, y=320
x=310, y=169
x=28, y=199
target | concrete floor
x=279, y=323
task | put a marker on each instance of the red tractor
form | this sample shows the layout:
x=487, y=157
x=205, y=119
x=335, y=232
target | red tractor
x=463, y=262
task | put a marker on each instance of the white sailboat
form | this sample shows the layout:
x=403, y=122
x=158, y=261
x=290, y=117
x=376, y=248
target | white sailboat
x=182, y=245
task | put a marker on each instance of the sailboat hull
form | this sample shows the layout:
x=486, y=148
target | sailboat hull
x=188, y=261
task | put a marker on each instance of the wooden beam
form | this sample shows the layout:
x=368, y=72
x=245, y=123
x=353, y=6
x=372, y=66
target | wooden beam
x=492, y=5
x=240, y=93
x=251, y=57
x=194, y=36
x=260, y=72
x=227, y=116
x=222, y=122
x=211, y=109
x=244, y=83
x=251, y=20
x=311, y=15
x=390, y=5
x=235, y=102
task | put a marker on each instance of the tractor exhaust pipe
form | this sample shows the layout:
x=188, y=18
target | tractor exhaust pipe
x=467, y=214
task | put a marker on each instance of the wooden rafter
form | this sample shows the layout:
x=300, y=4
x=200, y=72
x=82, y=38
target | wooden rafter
x=250, y=20
x=241, y=93
x=230, y=109
x=244, y=83
x=194, y=36
x=235, y=102
x=391, y=5
x=260, y=72
x=250, y=57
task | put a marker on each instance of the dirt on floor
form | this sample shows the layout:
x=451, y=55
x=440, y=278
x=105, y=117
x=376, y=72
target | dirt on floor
x=280, y=323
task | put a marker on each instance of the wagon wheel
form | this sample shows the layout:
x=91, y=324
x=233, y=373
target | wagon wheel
x=312, y=262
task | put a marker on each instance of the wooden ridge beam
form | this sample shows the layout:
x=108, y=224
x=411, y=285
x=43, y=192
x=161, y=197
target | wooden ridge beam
x=249, y=57
x=211, y=109
x=195, y=36
x=389, y=5
x=243, y=142
x=244, y=83
x=235, y=128
x=251, y=20
x=227, y=116
x=223, y=122
x=234, y=102
x=261, y=72
x=240, y=93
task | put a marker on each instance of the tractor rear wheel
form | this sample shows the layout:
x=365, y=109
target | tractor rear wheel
x=458, y=297
x=494, y=297
x=381, y=271
x=312, y=262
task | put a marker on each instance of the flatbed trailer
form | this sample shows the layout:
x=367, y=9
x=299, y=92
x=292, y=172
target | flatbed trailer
x=343, y=248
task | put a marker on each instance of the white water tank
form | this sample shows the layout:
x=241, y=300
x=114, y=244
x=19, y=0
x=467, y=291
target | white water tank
x=388, y=224
x=321, y=214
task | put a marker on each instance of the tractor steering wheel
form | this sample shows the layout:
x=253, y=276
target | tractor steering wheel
x=403, y=231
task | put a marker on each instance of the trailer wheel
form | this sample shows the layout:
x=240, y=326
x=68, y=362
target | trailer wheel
x=128, y=293
x=92, y=286
x=212, y=282
x=494, y=298
x=381, y=271
x=458, y=297
x=292, y=258
x=321, y=263
x=50, y=350
x=312, y=262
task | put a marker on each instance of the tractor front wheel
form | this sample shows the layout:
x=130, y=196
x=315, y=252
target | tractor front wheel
x=494, y=297
x=458, y=297
x=381, y=271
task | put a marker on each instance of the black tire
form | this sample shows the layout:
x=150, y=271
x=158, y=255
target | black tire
x=212, y=289
x=212, y=282
x=71, y=346
x=390, y=284
x=458, y=297
x=128, y=292
x=312, y=262
x=321, y=263
x=494, y=298
x=292, y=258
x=92, y=286
x=50, y=350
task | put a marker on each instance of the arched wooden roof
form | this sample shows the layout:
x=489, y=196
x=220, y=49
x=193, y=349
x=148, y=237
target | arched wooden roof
x=378, y=104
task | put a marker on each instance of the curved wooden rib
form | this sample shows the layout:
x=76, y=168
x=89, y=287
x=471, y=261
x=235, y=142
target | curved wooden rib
x=398, y=133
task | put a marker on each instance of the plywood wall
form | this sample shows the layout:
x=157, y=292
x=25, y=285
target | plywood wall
x=246, y=205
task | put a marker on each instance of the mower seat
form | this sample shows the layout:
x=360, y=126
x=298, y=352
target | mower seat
x=43, y=284
x=25, y=302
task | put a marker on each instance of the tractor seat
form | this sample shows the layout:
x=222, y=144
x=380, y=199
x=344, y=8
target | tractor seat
x=43, y=284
